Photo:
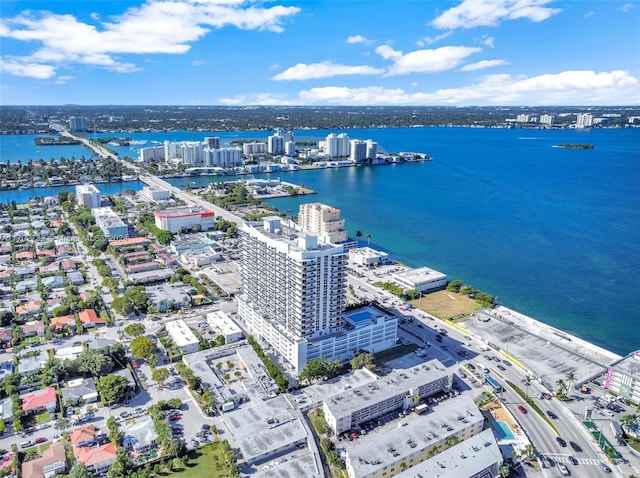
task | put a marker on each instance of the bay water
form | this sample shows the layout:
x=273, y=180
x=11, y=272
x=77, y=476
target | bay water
x=552, y=232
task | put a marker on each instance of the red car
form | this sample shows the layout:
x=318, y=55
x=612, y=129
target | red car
x=522, y=409
x=175, y=418
x=40, y=440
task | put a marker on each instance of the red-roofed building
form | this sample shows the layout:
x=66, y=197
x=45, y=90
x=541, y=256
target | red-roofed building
x=85, y=294
x=68, y=265
x=35, y=402
x=89, y=318
x=57, y=223
x=133, y=241
x=52, y=462
x=24, y=256
x=61, y=322
x=52, y=268
x=45, y=253
x=32, y=328
x=82, y=436
x=31, y=307
x=97, y=459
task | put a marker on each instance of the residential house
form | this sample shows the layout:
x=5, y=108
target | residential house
x=24, y=256
x=166, y=296
x=53, y=282
x=50, y=201
x=6, y=410
x=61, y=322
x=30, y=365
x=140, y=436
x=83, y=436
x=30, y=308
x=40, y=253
x=5, y=275
x=126, y=373
x=6, y=369
x=68, y=265
x=96, y=459
x=144, y=267
x=32, y=328
x=24, y=270
x=52, y=462
x=69, y=353
x=75, y=278
x=5, y=337
x=50, y=269
x=89, y=318
x=40, y=400
x=27, y=285
x=81, y=390
x=5, y=259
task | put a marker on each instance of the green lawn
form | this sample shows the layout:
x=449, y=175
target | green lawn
x=206, y=462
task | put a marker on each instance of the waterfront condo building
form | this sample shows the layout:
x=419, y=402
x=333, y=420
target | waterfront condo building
x=358, y=151
x=546, y=119
x=275, y=143
x=77, y=124
x=623, y=377
x=323, y=221
x=336, y=146
x=584, y=120
x=183, y=218
x=294, y=296
x=87, y=195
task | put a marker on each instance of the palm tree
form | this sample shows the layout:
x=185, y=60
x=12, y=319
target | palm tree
x=571, y=378
x=358, y=235
x=562, y=387
x=368, y=238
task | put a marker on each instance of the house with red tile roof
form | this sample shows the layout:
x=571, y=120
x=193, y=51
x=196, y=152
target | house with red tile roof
x=52, y=462
x=40, y=400
x=57, y=223
x=68, y=265
x=89, y=318
x=40, y=253
x=61, y=322
x=83, y=436
x=6, y=275
x=24, y=256
x=85, y=294
x=52, y=268
x=5, y=337
x=30, y=308
x=97, y=459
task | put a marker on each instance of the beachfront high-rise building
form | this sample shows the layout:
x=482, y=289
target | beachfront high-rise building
x=337, y=146
x=77, y=124
x=171, y=150
x=276, y=143
x=522, y=118
x=358, y=151
x=323, y=221
x=294, y=296
x=154, y=153
x=212, y=142
x=192, y=153
x=290, y=148
x=223, y=157
x=372, y=149
x=546, y=119
x=87, y=195
x=256, y=147
x=584, y=120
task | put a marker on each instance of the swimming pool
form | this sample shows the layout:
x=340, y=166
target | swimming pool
x=360, y=316
x=503, y=430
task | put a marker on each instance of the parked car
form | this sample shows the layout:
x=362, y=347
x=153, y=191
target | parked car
x=40, y=440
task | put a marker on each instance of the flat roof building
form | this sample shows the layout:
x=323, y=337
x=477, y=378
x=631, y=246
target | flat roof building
x=87, y=195
x=110, y=223
x=623, y=377
x=476, y=457
x=154, y=193
x=367, y=256
x=184, y=218
x=392, y=392
x=423, y=279
x=182, y=336
x=414, y=440
x=223, y=325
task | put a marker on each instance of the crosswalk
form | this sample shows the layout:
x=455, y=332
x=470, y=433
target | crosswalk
x=565, y=459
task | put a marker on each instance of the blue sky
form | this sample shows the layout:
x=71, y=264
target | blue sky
x=305, y=52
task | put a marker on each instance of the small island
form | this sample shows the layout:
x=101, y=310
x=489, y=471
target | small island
x=574, y=146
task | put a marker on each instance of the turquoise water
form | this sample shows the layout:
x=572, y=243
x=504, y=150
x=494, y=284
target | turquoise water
x=504, y=430
x=552, y=232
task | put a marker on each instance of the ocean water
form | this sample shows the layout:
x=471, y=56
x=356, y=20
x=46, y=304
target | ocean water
x=552, y=232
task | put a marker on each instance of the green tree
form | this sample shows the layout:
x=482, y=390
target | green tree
x=315, y=369
x=78, y=470
x=143, y=347
x=113, y=388
x=365, y=359
x=159, y=375
x=368, y=238
x=94, y=363
x=135, y=330
x=122, y=305
x=570, y=378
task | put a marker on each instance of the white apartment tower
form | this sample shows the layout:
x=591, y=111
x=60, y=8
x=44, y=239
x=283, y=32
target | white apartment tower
x=584, y=120
x=87, y=195
x=372, y=149
x=212, y=142
x=546, y=119
x=358, y=151
x=322, y=220
x=337, y=146
x=77, y=124
x=275, y=143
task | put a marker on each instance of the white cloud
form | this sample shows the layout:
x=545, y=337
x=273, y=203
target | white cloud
x=626, y=7
x=481, y=65
x=325, y=69
x=157, y=26
x=475, y=13
x=359, y=39
x=431, y=40
x=589, y=14
x=488, y=41
x=425, y=61
x=62, y=80
x=568, y=87
x=199, y=62
x=32, y=70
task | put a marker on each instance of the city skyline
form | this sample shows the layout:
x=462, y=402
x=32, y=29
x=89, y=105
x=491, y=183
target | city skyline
x=234, y=52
